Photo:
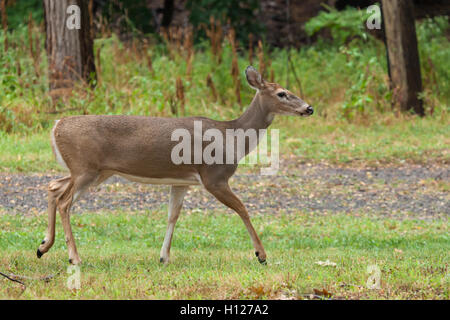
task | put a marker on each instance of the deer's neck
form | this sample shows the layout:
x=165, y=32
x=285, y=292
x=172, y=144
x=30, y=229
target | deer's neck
x=257, y=116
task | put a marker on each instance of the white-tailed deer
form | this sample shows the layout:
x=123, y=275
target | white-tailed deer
x=95, y=148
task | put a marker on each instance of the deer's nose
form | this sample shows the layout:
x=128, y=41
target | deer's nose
x=310, y=110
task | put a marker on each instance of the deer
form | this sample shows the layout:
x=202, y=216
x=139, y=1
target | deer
x=138, y=148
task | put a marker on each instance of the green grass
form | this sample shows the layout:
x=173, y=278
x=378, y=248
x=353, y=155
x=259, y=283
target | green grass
x=212, y=257
x=26, y=153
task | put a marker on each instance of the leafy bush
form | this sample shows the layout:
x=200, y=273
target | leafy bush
x=343, y=25
x=367, y=81
x=434, y=51
x=19, y=11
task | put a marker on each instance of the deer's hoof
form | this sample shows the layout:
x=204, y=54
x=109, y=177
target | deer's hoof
x=39, y=253
x=262, y=261
x=164, y=260
x=75, y=261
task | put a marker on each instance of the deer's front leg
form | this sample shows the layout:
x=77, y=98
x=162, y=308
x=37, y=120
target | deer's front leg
x=222, y=191
x=177, y=194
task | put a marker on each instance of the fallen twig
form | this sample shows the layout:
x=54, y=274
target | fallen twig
x=17, y=278
x=12, y=279
x=43, y=278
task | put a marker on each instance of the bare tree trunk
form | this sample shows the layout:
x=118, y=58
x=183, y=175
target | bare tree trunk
x=69, y=46
x=403, y=54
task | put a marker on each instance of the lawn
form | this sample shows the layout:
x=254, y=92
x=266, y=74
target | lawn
x=309, y=256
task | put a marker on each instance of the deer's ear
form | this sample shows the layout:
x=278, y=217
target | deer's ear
x=254, y=79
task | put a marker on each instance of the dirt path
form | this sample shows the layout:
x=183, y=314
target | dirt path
x=417, y=190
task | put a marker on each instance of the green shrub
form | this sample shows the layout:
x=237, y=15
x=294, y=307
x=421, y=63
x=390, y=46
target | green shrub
x=19, y=12
x=434, y=51
x=343, y=25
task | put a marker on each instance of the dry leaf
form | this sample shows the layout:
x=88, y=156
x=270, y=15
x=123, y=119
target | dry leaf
x=324, y=293
x=259, y=291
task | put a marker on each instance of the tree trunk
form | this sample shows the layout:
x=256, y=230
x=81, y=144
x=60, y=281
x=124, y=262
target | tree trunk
x=403, y=55
x=69, y=48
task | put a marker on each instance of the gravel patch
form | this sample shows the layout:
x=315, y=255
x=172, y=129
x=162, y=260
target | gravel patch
x=416, y=190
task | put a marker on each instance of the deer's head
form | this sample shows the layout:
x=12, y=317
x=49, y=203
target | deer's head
x=277, y=99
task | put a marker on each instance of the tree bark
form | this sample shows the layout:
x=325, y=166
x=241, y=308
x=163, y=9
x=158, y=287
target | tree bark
x=69, y=51
x=403, y=55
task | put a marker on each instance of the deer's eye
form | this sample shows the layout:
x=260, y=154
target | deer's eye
x=281, y=94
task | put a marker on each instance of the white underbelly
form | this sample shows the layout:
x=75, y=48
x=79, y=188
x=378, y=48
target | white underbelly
x=166, y=181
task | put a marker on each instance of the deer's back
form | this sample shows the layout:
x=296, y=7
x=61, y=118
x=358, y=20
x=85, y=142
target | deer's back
x=133, y=145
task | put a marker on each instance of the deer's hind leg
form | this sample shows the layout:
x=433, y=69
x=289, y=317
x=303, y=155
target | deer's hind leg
x=62, y=194
x=78, y=185
x=55, y=189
